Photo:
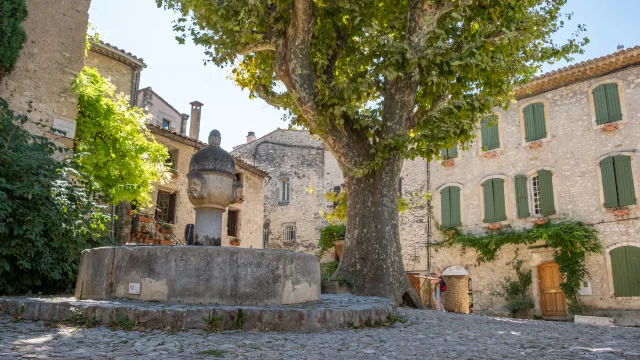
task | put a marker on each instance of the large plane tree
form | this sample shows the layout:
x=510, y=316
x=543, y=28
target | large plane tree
x=379, y=81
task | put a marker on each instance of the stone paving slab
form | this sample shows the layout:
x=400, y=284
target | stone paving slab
x=330, y=313
x=426, y=335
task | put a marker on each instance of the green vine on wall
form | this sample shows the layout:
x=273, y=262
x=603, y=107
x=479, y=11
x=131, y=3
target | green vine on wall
x=571, y=241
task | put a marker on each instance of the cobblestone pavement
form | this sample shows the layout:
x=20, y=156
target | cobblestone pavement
x=426, y=335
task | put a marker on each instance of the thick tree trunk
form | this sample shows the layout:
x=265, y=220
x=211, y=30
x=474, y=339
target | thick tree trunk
x=372, y=259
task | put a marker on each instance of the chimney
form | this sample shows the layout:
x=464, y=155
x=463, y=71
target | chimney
x=196, y=111
x=251, y=136
x=620, y=47
x=183, y=125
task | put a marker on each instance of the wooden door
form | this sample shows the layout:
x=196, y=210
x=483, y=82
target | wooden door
x=552, y=298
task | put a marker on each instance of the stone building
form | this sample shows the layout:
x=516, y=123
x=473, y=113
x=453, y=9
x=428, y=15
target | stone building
x=540, y=160
x=52, y=55
x=168, y=126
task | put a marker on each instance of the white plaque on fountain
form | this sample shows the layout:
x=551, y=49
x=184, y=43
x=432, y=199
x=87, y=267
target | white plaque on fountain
x=134, y=288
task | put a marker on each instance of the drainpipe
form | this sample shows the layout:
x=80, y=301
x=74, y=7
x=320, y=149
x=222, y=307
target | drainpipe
x=135, y=83
x=429, y=210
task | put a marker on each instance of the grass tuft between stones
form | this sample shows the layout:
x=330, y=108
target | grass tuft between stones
x=390, y=320
x=213, y=352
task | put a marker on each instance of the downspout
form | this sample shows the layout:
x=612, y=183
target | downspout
x=135, y=83
x=429, y=210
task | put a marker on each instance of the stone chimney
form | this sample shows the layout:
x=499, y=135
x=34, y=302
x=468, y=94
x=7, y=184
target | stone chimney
x=183, y=125
x=196, y=111
x=620, y=47
x=251, y=136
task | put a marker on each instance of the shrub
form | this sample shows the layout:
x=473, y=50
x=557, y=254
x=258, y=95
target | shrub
x=328, y=235
x=516, y=292
x=47, y=216
x=12, y=36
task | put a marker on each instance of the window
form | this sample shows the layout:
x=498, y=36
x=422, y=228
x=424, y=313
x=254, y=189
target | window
x=239, y=177
x=336, y=190
x=172, y=160
x=232, y=223
x=165, y=206
x=535, y=127
x=536, y=191
x=489, y=133
x=166, y=124
x=284, y=191
x=450, y=153
x=625, y=268
x=494, y=204
x=266, y=228
x=617, y=181
x=606, y=100
x=289, y=233
x=450, y=206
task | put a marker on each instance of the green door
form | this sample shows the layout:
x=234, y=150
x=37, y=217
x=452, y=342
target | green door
x=625, y=268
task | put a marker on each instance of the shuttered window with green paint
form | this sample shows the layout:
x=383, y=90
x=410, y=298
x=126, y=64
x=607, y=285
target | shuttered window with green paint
x=625, y=268
x=607, y=103
x=547, y=202
x=450, y=153
x=450, y=207
x=535, y=126
x=522, y=199
x=490, y=133
x=617, y=181
x=494, y=204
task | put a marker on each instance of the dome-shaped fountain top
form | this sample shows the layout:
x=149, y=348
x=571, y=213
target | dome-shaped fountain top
x=213, y=158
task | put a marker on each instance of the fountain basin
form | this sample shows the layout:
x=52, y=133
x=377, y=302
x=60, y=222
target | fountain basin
x=198, y=275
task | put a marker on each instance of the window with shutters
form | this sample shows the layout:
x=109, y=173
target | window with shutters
x=450, y=153
x=607, y=104
x=494, y=200
x=489, y=133
x=166, y=207
x=617, y=181
x=625, y=270
x=534, y=194
x=534, y=122
x=284, y=191
x=450, y=209
x=233, y=217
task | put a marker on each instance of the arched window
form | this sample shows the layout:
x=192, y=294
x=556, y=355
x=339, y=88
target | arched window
x=625, y=268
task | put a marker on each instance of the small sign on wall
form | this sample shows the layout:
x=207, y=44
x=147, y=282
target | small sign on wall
x=585, y=288
x=66, y=126
x=134, y=288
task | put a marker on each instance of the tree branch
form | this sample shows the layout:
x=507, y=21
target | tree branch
x=423, y=19
x=257, y=47
x=421, y=114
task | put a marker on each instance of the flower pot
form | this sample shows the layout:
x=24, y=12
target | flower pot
x=174, y=175
x=166, y=242
x=143, y=228
x=490, y=154
x=535, y=145
x=234, y=243
x=542, y=221
x=148, y=241
x=610, y=127
x=448, y=163
x=495, y=226
x=622, y=212
x=145, y=219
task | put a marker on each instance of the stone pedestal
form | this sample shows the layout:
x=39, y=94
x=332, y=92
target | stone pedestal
x=208, y=227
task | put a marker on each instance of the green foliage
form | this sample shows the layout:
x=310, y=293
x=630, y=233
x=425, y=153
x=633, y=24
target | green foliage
x=113, y=144
x=571, y=241
x=213, y=323
x=47, y=215
x=122, y=322
x=339, y=212
x=515, y=292
x=213, y=352
x=328, y=235
x=12, y=35
x=241, y=319
x=452, y=68
x=327, y=269
x=80, y=320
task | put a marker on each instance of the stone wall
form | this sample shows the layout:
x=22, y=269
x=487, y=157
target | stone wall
x=251, y=211
x=120, y=75
x=52, y=55
x=572, y=152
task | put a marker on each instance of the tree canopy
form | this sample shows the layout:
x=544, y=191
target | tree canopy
x=113, y=144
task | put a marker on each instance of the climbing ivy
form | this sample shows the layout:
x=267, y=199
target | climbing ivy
x=12, y=35
x=571, y=241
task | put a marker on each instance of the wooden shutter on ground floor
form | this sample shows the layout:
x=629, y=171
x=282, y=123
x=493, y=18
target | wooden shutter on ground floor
x=624, y=180
x=625, y=267
x=490, y=133
x=522, y=199
x=547, y=202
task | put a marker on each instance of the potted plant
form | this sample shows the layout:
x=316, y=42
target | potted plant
x=542, y=221
x=234, y=242
x=535, y=145
x=448, y=163
x=610, y=127
x=490, y=154
x=495, y=226
x=167, y=226
x=174, y=173
x=622, y=212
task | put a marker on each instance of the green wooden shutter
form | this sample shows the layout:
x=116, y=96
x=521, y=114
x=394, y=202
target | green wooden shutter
x=547, y=203
x=609, y=182
x=522, y=199
x=453, y=152
x=445, y=207
x=444, y=154
x=624, y=180
x=613, y=102
x=619, y=271
x=490, y=134
x=500, y=211
x=489, y=213
x=633, y=269
x=540, y=123
x=600, y=103
x=454, y=196
x=529, y=123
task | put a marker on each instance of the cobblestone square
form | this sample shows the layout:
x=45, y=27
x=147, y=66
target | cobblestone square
x=425, y=335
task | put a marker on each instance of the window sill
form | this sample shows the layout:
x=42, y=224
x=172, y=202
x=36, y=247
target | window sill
x=282, y=203
x=491, y=154
x=618, y=125
x=542, y=142
x=502, y=224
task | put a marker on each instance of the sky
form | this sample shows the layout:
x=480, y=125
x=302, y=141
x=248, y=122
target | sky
x=178, y=74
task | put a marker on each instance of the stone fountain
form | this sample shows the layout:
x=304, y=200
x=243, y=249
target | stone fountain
x=205, y=274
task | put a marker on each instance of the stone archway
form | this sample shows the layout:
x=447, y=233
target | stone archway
x=456, y=298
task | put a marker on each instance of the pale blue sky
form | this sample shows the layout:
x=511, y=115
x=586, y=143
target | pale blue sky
x=177, y=73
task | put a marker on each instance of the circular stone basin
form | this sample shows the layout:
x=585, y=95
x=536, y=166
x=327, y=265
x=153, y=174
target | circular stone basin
x=198, y=275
